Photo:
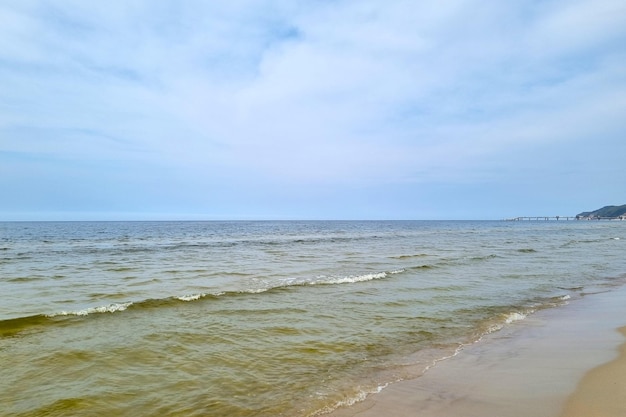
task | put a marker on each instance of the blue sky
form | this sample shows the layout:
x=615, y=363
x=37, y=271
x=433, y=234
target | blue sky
x=318, y=109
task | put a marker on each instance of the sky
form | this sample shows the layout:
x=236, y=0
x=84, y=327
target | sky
x=317, y=109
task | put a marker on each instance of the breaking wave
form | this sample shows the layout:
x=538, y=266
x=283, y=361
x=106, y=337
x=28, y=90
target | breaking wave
x=10, y=327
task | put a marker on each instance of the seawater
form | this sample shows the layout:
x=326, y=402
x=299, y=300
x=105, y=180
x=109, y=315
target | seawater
x=268, y=318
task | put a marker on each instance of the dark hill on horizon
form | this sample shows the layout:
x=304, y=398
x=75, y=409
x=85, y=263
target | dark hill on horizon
x=606, y=211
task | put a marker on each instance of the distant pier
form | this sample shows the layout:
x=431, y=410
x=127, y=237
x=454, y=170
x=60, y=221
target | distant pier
x=515, y=219
x=522, y=218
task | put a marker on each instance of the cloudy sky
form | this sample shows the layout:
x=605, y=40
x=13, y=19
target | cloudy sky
x=317, y=109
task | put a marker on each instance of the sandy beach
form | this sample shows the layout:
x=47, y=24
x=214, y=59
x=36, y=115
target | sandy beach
x=602, y=391
x=563, y=362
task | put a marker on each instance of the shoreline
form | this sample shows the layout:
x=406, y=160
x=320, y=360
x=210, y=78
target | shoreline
x=552, y=364
x=602, y=391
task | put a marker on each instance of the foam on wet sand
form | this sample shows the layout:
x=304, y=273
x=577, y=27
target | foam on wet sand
x=560, y=362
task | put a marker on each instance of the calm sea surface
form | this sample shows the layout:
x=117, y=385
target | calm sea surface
x=267, y=318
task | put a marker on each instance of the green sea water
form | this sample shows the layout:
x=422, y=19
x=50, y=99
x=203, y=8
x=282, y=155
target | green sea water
x=267, y=318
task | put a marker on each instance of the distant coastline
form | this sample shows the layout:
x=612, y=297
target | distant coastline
x=604, y=213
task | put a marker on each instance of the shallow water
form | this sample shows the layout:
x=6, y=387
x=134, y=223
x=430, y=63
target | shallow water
x=267, y=318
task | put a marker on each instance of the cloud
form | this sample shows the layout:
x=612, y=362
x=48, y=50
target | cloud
x=280, y=94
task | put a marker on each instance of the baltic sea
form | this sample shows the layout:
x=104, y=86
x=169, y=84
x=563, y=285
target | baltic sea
x=268, y=318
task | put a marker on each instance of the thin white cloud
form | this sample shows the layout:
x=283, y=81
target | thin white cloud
x=350, y=93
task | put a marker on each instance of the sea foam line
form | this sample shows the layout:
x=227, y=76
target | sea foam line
x=363, y=394
x=191, y=297
x=360, y=396
x=350, y=279
x=320, y=280
x=328, y=280
x=111, y=308
x=508, y=319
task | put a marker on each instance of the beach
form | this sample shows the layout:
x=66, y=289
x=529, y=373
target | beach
x=563, y=362
x=602, y=391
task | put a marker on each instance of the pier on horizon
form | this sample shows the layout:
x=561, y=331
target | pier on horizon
x=521, y=218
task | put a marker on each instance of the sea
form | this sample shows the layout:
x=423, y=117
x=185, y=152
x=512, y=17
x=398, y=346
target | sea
x=268, y=318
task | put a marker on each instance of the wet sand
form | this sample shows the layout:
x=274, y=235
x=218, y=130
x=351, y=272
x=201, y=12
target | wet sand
x=602, y=391
x=561, y=362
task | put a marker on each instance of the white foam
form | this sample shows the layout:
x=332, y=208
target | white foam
x=508, y=319
x=322, y=279
x=350, y=401
x=111, y=308
x=255, y=290
x=443, y=358
x=512, y=317
x=191, y=297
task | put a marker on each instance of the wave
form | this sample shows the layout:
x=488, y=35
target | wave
x=349, y=401
x=499, y=321
x=14, y=326
x=363, y=393
x=527, y=250
x=124, y=246
x=494, y=323
x=11, y=327
x=421, y=267
x=574, y=242
x=286, y=283
x=417, y=255
x=331, y=280
x=450, y=261
x=25, y=279
x=515, y=316
x=483, y=258
x=122, y=269
x=111, y=308
x=191, y=297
